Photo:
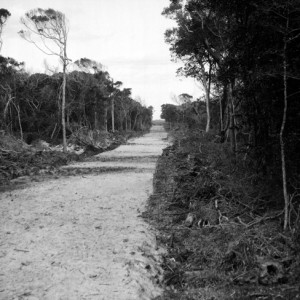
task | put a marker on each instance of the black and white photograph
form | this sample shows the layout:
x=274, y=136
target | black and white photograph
x=149, y=150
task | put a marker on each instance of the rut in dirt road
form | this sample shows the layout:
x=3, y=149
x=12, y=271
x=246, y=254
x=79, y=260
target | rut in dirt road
x=81, y=237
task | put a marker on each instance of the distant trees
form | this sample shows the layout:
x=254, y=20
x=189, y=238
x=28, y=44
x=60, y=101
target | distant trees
x=45, y=106
x=28, y=103
x=170, y=113
x=10, y=73
x=114, y=91
x=201, y=42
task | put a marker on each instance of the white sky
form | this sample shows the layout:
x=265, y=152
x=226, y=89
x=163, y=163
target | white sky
x=126, y=36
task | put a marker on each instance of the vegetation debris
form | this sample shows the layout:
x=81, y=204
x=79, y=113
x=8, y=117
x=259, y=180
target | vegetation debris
x=224, y=240
x=18, y=159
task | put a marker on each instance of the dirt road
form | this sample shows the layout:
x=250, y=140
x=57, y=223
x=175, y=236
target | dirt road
x=81, y=236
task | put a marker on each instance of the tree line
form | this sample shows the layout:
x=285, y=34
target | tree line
x=54, y=105
x=245, y=55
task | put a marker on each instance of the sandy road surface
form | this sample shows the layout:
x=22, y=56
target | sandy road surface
x=81, y=237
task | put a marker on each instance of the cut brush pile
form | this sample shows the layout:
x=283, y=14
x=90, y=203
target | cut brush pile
x=222, y=226
x=18, y=159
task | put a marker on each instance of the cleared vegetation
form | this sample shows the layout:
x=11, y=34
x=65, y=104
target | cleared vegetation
x=222, y=225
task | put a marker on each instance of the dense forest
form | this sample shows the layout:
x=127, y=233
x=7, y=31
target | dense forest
x=227, y=199
x=245, y=56
x=53, y=105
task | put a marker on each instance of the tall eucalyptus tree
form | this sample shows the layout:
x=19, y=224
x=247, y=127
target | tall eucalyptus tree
x=48, y=30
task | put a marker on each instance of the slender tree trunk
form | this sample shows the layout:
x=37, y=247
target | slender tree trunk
x=134, y=123
x=281, y=137
x=112, y=115
x=63, y=108
x=105, y=118
x=232, y=122
x=221, y=120
x=206, y=84
x=17, y=107
x=96, y=120
x=20, y=124
x=52, y=134
x=223, y=105
x=126, y=128
x=207, y=99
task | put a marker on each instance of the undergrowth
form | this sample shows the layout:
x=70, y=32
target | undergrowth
x=18, y=159
x=222, y=225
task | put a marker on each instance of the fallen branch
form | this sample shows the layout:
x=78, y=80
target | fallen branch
x=263, y=219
